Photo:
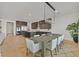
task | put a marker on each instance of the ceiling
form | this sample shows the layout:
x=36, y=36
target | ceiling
x=21, y=10
x=66, y=7
x=35, y=10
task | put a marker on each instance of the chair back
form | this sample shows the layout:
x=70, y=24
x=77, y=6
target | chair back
x=59, y=40
x=30, y=44
x=54, y=43
x=62, y=37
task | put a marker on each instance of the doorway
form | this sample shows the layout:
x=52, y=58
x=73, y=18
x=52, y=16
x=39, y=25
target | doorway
x=10, y=28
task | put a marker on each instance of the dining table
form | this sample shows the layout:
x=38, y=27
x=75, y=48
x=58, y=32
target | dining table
x=44, y=40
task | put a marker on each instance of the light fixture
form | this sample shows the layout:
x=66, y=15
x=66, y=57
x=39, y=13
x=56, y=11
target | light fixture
x=50, y=6
x=44, y=12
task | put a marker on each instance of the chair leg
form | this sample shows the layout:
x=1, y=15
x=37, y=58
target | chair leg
x=51, y=53
x=27, y=51
x=62, y=43
x=58, y=48
x=55, y=51
x=33, y=54
x=41, y=53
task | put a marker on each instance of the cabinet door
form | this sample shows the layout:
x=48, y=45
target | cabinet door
x=45, y=26
x=35, y=25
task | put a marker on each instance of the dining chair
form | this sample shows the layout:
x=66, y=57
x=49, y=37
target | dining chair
x=52, y=45
x=60, y=42
x=33, y=47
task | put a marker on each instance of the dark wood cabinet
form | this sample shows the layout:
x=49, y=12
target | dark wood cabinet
x=45, y=26
x=34, y=25
x=42, y=25
x=20, y=26
x=21, y=23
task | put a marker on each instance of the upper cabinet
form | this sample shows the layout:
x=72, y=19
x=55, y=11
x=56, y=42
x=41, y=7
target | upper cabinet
x=21, y=26
x=21, y=23
x=34, y=25
x=43, y=24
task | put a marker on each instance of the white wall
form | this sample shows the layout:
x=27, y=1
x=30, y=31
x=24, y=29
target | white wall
x=61, y=23
x=49, y=13
x=30, y=12
x=21, y=11
x=4, y=22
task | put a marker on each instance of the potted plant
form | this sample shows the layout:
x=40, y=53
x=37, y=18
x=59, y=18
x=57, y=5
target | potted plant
x=73, y=30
